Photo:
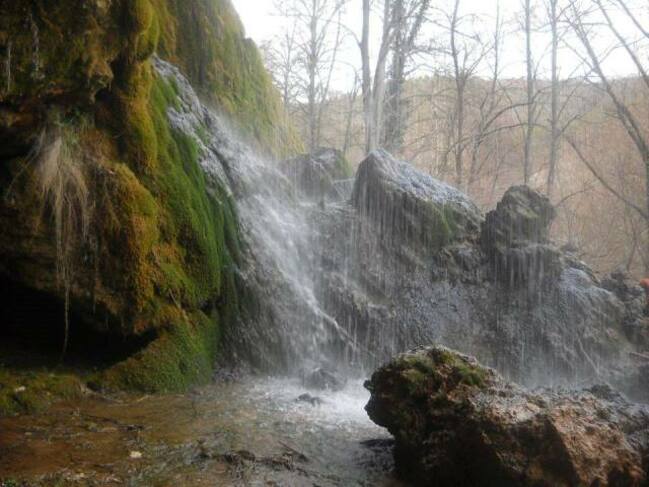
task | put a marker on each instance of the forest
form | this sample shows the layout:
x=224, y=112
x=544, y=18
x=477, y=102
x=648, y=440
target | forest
x=547, y=93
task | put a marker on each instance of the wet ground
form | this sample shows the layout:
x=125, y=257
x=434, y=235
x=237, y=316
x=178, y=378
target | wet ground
x=247, y=433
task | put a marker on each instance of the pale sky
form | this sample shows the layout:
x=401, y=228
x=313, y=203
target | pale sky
x=262, y=24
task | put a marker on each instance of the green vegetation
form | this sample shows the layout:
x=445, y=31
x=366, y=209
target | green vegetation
x=30, y=391
x=208, y=43
x=344, y=167
x=186, y=250
x=440, y=226
x=425, y=371
x=182, y=356
x=163, y=248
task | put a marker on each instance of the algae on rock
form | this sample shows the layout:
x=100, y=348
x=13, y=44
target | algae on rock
x=157, y=266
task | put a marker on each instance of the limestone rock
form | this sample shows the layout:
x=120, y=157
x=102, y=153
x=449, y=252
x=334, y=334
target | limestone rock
x=515, y=238
x=458, y=423
x=410, y=207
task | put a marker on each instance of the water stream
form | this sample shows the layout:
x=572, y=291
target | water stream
x=245, y=433
x=261, y=428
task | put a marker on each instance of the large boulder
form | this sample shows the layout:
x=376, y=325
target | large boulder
x=410, y=207
x=523, y=215
x=515, y=239
x=458, y=423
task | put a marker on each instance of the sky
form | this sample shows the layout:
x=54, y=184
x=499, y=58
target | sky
x=262, y=24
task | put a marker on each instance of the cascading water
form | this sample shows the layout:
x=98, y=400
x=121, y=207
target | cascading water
x=345, y=279
x=286, y=332
x=340, y=282
x=290, y=331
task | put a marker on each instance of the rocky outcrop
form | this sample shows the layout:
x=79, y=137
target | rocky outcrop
x=409, y=207
x=456, y=422
x=107, y=210
x=410, y=261
x=515, y=239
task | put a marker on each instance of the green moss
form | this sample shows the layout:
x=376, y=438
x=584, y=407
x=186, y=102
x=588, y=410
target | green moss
x=182, y=356
x=425, y=371
x=344, y=167
x=58, y=49
x=34, y=390
x=190, y=245
x=166, y=244
x=195, y=222
x=440, y=225
x=464, y=371
x=209, y=44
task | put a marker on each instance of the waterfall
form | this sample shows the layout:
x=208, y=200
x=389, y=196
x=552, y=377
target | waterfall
x=289, y=330
x=347, y=280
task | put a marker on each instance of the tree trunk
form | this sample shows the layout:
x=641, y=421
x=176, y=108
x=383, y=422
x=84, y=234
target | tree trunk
x=554, y=116
x=368, y=112
x=527, y=164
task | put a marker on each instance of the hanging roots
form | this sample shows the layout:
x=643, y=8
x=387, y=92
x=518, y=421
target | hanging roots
x=59, y=171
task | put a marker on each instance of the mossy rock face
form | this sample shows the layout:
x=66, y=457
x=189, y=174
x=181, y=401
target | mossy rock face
x=158, y=255
x=34, y=390
x=55, y=54
x=207, y=41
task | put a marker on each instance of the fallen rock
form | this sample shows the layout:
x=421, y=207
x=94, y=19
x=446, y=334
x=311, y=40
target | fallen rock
x=456, y=422
x=322, y=379
x=309, y=399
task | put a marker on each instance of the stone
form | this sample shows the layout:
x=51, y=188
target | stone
x=515, y=238
x=410, y=207
x=322, y=379
x=309, y=399
x=456, y=422
x=498, y=290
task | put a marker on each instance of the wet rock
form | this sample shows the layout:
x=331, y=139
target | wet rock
x=635, y=322
x=523, y=215
x=456, y=422
x=410, y=207
x=545, y=320
x=309, y=399
x=515, y=238
x=320, y=175
x=323, y=379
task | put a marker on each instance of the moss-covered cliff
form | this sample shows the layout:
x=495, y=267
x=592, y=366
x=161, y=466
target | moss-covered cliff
x=104, y=206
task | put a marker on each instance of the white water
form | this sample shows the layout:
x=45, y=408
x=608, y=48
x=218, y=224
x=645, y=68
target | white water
x=291, y=332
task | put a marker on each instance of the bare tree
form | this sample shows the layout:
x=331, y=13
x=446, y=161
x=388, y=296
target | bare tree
x=530, y=89
x=553, y=16
x=305, y=58
x=373, y=85
x=624, y=112
x=467, y=51
x=281, y=57
x=409, y=17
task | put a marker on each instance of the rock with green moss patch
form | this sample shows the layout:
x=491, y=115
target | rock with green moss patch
x=458, y=423
x=159, y=247
x=411, y=208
